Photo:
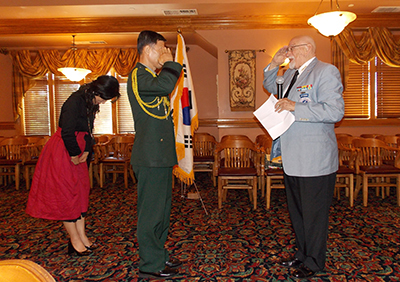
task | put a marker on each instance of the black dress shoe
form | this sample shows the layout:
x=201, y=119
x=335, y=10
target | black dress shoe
x=303, y=272
x=165, y=273
x=291, y=262
x=173, y=263
x=72, y=251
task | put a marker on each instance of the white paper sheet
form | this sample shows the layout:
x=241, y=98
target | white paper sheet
x=275, y=123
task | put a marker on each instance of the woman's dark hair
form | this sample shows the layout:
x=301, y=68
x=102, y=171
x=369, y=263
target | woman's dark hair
x=105, y=86
x=148, y=37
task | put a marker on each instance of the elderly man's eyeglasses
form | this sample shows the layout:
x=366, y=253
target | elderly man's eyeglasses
x=290, y=48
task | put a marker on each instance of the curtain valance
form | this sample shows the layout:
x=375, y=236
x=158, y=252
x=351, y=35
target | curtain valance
x=376, y=41
x=28, y=65
x=37, y=63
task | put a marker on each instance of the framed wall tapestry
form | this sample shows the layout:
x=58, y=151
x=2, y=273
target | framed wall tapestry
x=242, y=79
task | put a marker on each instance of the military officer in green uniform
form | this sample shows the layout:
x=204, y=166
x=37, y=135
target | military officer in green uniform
x=153, y=152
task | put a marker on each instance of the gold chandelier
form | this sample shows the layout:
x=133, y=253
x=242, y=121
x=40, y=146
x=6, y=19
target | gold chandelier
x=331, y=23
x=74, y=73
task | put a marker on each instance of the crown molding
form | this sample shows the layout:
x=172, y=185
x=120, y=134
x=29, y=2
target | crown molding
x=171, y=24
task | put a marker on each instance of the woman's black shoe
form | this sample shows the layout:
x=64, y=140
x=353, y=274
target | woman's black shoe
x=71, y=250
x=92, y=247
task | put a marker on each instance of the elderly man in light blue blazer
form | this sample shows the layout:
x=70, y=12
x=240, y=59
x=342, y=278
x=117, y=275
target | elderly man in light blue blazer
x=309, y=147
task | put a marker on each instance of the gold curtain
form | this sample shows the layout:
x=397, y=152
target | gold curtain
x=376, y=41
x=28, y=65
x=340, y=60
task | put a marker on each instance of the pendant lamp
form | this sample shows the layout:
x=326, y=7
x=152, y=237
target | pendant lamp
x=331, y=23
x=74, y=73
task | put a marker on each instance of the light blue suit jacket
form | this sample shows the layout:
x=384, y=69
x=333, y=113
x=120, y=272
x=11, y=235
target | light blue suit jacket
x=309, y=146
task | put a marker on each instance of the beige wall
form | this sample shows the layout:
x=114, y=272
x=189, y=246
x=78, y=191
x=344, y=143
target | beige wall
x=211, y=77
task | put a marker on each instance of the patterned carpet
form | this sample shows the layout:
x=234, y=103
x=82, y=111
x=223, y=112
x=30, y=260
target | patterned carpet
x=235, y=244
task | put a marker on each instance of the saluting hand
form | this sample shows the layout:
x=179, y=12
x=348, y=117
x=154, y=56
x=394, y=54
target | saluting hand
x=279, y=57
x=165, y=56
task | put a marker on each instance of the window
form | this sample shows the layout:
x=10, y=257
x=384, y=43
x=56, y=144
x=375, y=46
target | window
x=42, y=106
x=372, y=91
x=125, y=119
x=36, y=109
x=387, y=90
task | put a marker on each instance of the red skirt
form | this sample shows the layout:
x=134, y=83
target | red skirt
x=60, y=189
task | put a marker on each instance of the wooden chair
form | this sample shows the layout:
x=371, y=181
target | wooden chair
x=236, y=166
x=346, y=172
x=343, y=134
x=115, y=156
x=225, y=137
x=30, y=156
x=370, y=135
x=272, y=177
x=370, y=166
x=18, y=270
x=392, y=142
x=97, y=154
x=203, y=154
x=11, y=161
x=346, y=141
x=261, y=137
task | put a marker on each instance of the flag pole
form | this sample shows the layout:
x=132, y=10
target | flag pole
x=183, y=191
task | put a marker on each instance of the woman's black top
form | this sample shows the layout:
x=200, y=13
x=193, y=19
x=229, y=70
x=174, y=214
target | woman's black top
x=74, y=117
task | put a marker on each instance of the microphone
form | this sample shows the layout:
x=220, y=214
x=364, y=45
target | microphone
x=279, y=81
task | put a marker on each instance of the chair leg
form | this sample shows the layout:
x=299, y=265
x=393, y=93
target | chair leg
x=91, y=175
x=358, y=185
x=134, y=178
x=126, y=175
x=398, y=189
x=262, y=184
x=351, y=188
x=17, y=174
x=101, y=173
x=365, y=190
x=255, y=193
x=268, y=193
x=27, y=177
x=219, y=193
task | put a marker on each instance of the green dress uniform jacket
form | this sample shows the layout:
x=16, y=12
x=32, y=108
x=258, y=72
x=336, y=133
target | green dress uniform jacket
x=154, y=144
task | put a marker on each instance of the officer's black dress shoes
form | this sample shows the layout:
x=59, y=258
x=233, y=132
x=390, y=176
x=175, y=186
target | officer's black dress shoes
x=303, y=272
x=162, y=274
x=291, y=262
x=172, y=263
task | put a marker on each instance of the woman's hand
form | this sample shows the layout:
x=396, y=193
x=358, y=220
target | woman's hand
x=83, y=158
x=79, y=159
x=75, y=160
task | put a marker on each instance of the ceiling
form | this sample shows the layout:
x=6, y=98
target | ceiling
x=44, y=24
